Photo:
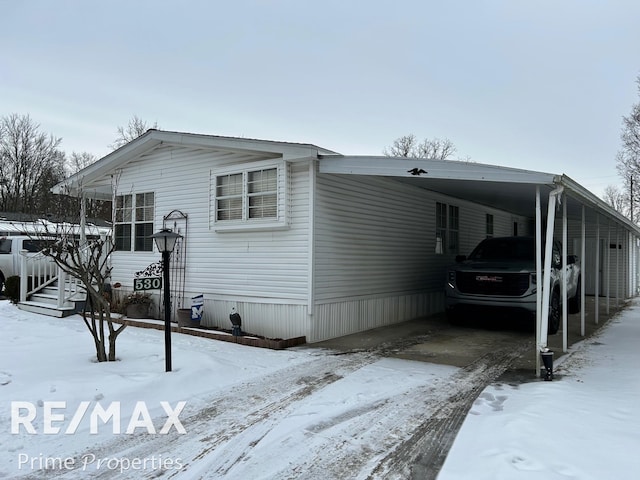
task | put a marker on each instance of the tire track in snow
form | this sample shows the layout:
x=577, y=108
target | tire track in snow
x=421, y=455
x=225, y=421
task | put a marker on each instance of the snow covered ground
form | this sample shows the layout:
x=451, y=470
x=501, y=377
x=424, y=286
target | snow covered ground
x=585, y=425
x=238, y=412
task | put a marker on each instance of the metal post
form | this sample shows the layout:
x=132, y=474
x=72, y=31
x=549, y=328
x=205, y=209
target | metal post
x=167, y=311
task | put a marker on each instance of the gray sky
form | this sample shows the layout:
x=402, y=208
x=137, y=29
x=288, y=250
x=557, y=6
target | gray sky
x=541, y=85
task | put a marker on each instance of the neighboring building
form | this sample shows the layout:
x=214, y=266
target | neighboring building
x=307, y=242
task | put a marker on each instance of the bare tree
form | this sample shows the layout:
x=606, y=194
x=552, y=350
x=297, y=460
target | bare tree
x=616, y=199
x=628, y=158
x=78, y=161
x=433, y=149
x=30, y=164
x=133, y=130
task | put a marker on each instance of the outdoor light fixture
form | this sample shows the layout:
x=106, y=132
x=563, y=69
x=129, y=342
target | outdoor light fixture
x=166, y=241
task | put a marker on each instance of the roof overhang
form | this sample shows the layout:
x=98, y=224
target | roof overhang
x=95, y=181
x=504, y=188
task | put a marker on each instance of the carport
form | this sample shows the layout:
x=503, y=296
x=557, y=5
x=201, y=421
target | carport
x=606, y=242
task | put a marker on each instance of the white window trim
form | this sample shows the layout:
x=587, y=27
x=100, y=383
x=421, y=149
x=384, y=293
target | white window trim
x=280, y=222
x=133, y=222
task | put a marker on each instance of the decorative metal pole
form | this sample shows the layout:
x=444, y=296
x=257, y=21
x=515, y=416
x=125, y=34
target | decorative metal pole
x=166, y=241
x=167, y=311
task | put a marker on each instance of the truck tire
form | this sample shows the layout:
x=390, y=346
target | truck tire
x=555, y=312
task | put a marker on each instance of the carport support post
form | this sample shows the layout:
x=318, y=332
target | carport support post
x=546, y=282
x=564, y=277
x=597, y=269
x=582, y=273
x=538, y=273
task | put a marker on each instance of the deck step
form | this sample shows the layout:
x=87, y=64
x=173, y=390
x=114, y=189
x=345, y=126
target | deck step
x=46, y=309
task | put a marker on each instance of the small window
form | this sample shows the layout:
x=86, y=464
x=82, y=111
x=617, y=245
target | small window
x=447, y=228
x=454, y=213
x=489, y=225
x=5, y=245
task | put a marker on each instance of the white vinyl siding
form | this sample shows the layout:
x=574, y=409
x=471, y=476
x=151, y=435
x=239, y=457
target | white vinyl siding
x=377, y=236
x=264, y=265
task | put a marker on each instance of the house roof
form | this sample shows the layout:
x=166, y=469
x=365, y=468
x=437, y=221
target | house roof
x=500, y=187
x=95, y=180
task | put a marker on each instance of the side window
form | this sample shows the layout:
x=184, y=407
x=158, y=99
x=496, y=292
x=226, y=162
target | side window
x=454, y=222
x=134, y=222
x=5, y=245
x=447, y=228
x=489, y=226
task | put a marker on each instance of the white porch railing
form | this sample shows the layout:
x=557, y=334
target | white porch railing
x=40, y=269
x=43, y=272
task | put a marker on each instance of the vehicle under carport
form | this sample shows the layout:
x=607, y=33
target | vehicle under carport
x=607, y=241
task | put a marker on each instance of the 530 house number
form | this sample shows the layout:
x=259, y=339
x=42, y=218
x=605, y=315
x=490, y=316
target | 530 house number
x=150, y=283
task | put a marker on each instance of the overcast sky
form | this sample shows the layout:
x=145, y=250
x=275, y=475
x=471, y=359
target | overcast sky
x=541, y=85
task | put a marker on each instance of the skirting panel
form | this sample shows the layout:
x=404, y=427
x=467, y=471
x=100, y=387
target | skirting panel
x=268, y=320
x=337, y=319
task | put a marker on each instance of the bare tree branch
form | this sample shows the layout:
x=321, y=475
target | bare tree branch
x=133, y=130
x=433, y=149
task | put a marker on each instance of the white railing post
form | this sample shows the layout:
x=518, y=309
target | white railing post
x=24, y=277
x=61, y=287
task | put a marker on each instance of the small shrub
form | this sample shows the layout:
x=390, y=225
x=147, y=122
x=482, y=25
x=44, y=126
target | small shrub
x=12, y=288
x=136, y=298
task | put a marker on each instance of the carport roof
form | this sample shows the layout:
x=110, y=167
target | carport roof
x=504, y=188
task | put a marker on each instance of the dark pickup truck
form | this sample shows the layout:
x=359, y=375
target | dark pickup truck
x=500, y=273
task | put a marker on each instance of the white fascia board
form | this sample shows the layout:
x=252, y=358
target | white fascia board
x=94, y=174
x=587, y=198
x=232, y=144
x=433, y=169
x=85, y=178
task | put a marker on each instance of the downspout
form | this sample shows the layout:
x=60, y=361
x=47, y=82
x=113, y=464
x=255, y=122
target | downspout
x=311, y=244
x=546, y=281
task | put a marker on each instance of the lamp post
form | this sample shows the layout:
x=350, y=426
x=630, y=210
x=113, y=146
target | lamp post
x=166, y=241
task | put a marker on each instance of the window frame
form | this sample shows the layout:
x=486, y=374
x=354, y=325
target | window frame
x=447, y=229
x=489, y=225
x=247, y=221
x=134, y=223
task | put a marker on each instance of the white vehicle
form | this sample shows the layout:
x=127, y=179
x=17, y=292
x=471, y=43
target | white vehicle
x=11, y=250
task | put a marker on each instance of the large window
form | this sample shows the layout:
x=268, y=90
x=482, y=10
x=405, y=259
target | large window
x=247, y=196
x=447, y=228
x=134, y=222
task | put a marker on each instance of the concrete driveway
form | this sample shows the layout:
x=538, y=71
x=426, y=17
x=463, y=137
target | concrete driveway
x=434, y=339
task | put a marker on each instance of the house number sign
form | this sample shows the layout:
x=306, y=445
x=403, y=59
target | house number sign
x=149, y=283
